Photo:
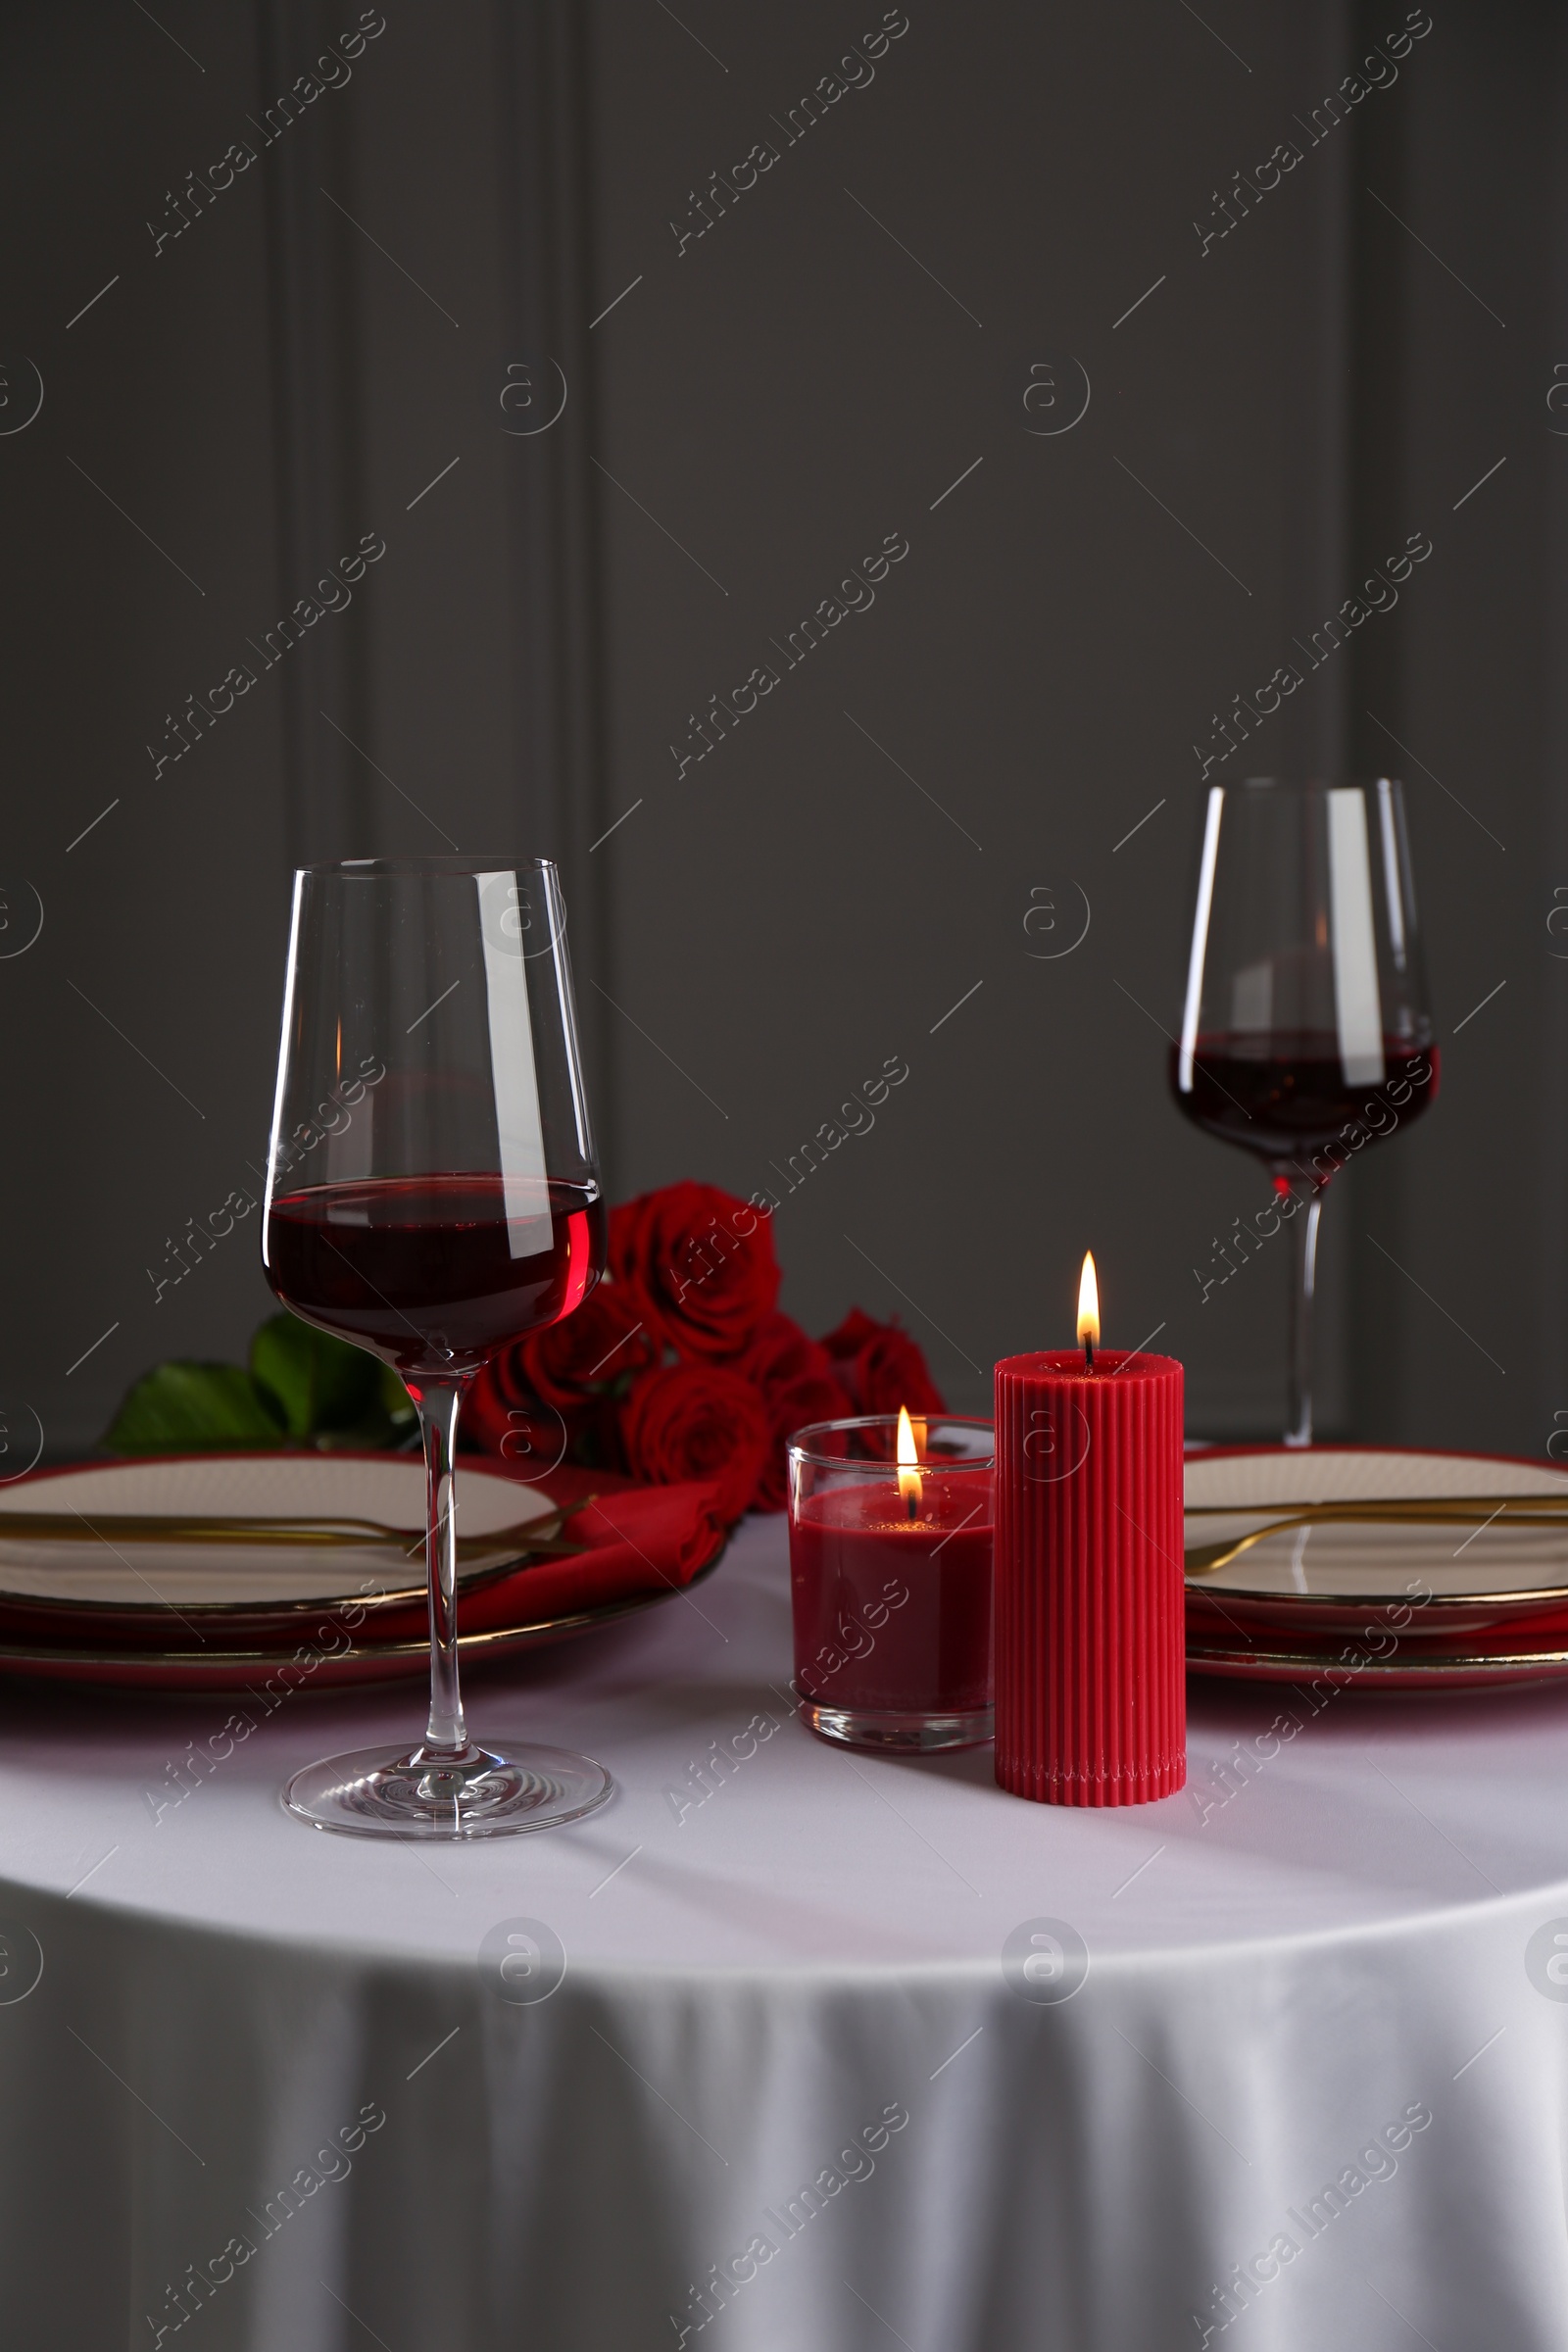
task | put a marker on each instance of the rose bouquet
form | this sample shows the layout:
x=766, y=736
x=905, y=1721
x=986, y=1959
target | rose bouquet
x=680, y=1365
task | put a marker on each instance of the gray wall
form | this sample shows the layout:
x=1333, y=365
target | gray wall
x=768, y=401
x=254, y=395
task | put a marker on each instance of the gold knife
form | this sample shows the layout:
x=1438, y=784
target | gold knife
x=1444, y=1510
x=325, y=1530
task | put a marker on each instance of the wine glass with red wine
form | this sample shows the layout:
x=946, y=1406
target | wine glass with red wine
x=1305, y=1034
x=432, y=1195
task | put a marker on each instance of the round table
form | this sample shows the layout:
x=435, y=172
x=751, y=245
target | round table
x=847, y=2053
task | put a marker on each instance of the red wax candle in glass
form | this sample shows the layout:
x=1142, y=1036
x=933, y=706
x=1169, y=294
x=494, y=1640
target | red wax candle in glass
x=1091, y=1691
x=890, y=1581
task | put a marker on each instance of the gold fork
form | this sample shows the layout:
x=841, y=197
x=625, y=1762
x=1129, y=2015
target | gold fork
x=1445, y=1510
x=543, y=1536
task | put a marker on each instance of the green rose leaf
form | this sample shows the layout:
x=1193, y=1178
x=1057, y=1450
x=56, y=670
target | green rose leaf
x=181, y=1407
x=319, y=1385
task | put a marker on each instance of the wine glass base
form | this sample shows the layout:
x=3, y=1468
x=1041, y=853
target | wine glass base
x=414, y=1792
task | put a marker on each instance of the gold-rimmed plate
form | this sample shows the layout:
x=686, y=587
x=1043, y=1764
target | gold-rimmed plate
x=324, y=1656
x=1349, y=1665
x=249, y=1544
x=261, y=1618
x=1415, y=1564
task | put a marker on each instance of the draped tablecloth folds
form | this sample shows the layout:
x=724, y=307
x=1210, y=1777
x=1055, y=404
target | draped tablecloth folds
x=785, y=2047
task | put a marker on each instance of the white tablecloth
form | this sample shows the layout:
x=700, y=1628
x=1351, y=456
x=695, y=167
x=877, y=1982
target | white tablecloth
x=786, y=2078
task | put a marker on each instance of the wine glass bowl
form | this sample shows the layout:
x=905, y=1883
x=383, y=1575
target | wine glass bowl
x=433, y=1196
x=1305, y=1032
x=418, y=1269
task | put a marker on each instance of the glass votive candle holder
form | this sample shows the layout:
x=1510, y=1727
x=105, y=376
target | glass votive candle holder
x=890, y=1581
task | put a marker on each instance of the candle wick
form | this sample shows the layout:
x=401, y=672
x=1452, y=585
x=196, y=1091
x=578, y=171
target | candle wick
x=911, y=1506
x=1089, y=1354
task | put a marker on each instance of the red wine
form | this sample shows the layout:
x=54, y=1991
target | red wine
x=419, y=1268
x=1287, y=1096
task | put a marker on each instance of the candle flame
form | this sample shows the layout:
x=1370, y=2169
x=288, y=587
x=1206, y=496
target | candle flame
x=909, y=1459
x=1088, y=1303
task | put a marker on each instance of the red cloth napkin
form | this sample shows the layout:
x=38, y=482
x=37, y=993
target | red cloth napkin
x=638, y=1540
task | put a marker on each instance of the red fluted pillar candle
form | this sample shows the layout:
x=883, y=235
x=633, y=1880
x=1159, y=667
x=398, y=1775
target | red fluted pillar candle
x=1091, y=1692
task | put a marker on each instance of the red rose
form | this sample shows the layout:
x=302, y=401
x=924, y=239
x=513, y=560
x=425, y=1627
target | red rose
x=502, y=1415
x=882, y=1367
x=780, y=1353
x=697, y=1421
x=792, y=1408
x=795, y=1379
x=700, y=1264
x=499, y=1388
x=604, y=1341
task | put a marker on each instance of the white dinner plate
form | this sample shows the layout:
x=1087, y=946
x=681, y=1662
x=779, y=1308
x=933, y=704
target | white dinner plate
x=254, y=1576
x=1436, y=1603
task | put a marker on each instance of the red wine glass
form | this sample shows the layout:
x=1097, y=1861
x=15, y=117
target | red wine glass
x=432, y=1195
x=1305, y=1034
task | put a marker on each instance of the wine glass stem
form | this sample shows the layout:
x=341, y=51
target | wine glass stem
x=1309, y=1197
x=436, y=1403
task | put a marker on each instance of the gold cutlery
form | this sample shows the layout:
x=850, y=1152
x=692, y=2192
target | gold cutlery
x=1441, y=1510
x=325, y=1530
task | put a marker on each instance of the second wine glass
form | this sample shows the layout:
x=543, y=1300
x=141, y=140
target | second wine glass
x=1305, y=1033
x=432, y=1195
